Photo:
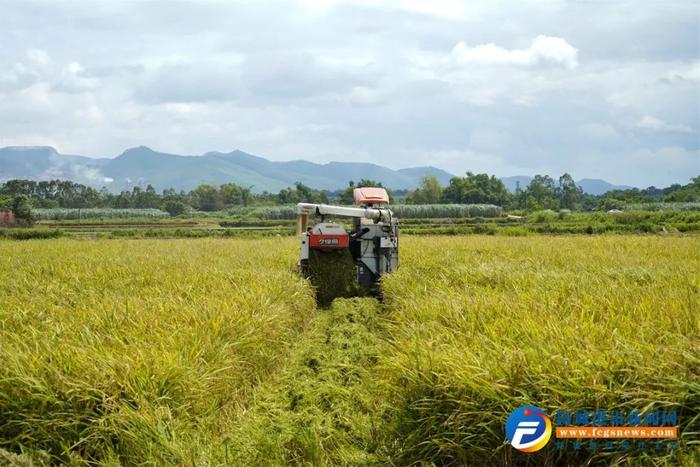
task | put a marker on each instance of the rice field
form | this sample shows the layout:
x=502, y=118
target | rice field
x=483, y=325
x=132, y=351
x=213, y=351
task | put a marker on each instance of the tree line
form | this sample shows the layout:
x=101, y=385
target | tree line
x=543, y=192
x=67, y=194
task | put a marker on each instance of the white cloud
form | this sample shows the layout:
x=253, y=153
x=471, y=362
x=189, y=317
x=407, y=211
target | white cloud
x=74, y=78
x=367, y=80
x=649, y=122
x=543, y=49
x=37, y=68
x=39, y=57
x=667, y=165
x=460, y=161
x=599, y=133
x=449, y=9
x=440, y=8
x=687, y=73
x=32, y=67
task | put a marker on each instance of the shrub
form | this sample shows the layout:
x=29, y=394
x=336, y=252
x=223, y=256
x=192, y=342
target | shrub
x=30, y=234
x=546, y=215
x=484, y=229
x=175, y=207
x=686, y=206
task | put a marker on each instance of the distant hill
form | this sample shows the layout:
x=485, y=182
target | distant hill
x=511, y=183
x=592, y=186
x=596, y=186
x=142, y=166
x=44, y=163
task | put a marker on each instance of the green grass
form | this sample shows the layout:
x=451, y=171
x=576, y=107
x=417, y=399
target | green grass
x=30, y=234
x=668, y=206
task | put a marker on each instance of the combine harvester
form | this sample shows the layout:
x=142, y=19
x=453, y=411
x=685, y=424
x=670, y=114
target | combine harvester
x=371, y=248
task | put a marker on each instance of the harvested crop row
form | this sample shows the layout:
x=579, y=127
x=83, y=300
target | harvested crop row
x=483, y=325
x=132, y=350
x=332, y=275
x=325, y=407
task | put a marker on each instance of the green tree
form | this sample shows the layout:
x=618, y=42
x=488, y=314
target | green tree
x=569, y=193
x=687, y=193
x=145, y=199
x=301, y=194
x=19, y=187
x=541, y=194
x=428, y=192
x=612, y=203
x=476, y=189
x=589, y=203
x=175, y=207
x=22, y=207
x=6, y=201
x=206, y=198
x=170, y=193
x=246, y=195
x=123, y=200
x=517, y=200
x=231, y=194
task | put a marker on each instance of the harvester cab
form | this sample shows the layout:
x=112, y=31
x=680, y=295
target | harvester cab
x=372, y=242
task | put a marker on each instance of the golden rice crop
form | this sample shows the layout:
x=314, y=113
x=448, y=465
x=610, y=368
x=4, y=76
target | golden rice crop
x=134, y=350
x=482, y=325
x=211, y=351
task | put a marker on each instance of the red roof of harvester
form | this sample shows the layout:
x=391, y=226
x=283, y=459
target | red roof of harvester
x=370, y=195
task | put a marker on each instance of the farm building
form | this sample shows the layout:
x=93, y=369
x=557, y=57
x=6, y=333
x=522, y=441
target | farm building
x=7, y=217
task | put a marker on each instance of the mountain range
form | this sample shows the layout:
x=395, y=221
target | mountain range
x=143, y=166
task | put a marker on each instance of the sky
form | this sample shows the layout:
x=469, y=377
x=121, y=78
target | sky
x=598, y=89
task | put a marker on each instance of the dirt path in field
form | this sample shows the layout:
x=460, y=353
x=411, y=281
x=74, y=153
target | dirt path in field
x=324, y=406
